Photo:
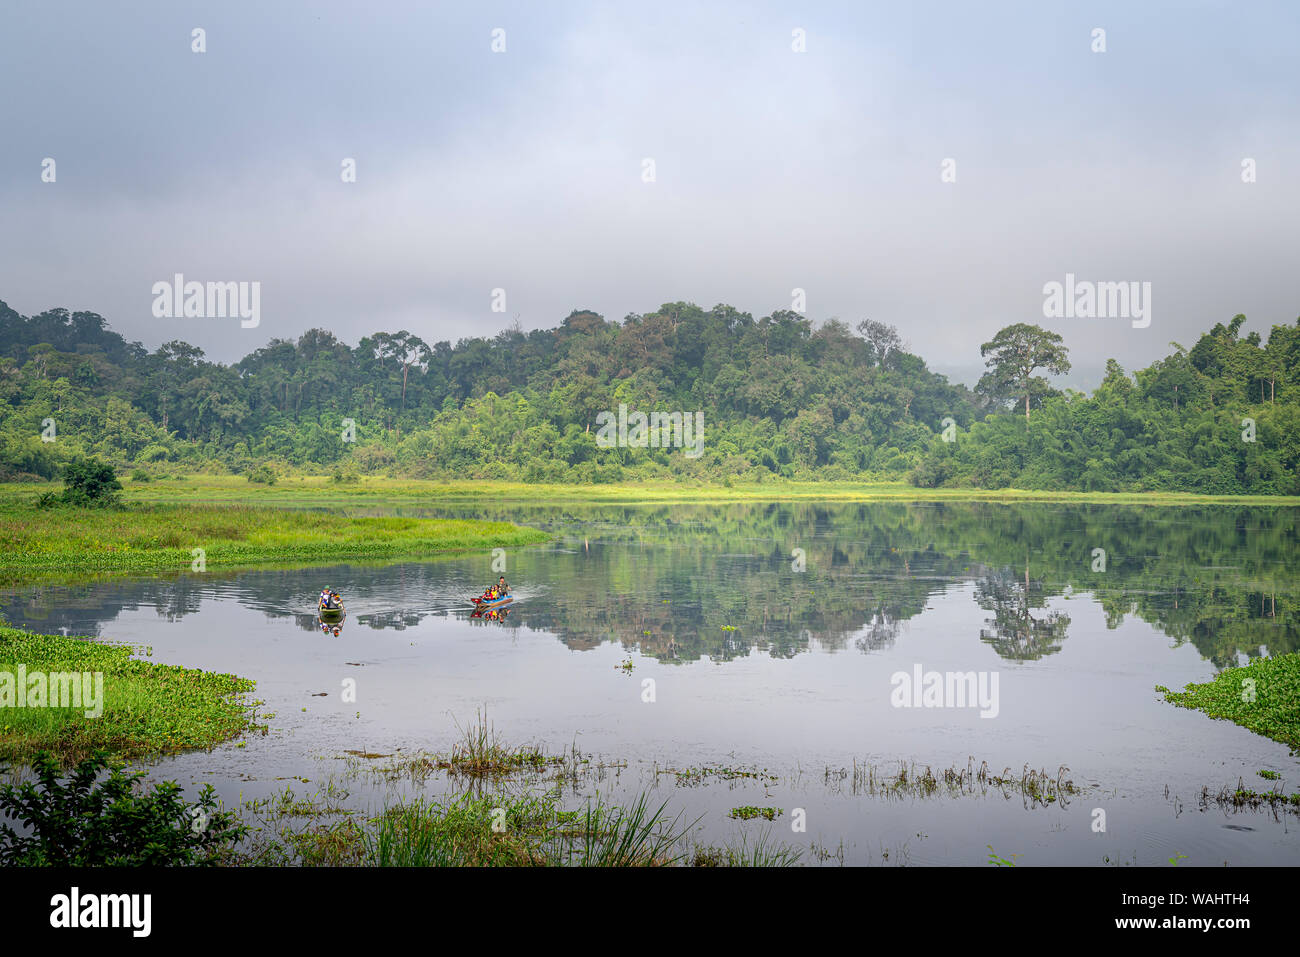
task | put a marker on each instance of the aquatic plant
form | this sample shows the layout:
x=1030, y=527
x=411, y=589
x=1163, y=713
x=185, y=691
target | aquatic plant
x=147, y=708
x=1263, y=696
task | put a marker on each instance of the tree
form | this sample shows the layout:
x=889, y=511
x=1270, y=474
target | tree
x=1014, y=354
x=884, y=339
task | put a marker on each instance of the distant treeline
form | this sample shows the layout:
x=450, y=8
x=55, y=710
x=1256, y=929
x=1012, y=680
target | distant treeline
x=780, y=396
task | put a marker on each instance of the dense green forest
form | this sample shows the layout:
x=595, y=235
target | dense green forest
x=779, y=396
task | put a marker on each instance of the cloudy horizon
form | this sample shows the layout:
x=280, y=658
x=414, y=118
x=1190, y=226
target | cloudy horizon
x=774, y=170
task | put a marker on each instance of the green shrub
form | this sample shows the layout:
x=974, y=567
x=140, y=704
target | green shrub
x=87, y=483
x=263, y=475
x=84, y=823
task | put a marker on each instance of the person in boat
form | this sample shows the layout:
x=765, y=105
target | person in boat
x=502, y=588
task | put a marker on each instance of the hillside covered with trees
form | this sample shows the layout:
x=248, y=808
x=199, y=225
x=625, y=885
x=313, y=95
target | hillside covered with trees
x=779, y=396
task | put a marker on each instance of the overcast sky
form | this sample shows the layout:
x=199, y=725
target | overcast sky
x=774, y=169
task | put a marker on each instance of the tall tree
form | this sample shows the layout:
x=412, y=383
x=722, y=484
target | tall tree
x=1015, y=353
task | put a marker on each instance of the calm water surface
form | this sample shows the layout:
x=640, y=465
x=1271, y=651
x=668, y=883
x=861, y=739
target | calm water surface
x=771, y=633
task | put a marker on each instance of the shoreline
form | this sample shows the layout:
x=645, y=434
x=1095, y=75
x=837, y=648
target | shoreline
x=202, y=488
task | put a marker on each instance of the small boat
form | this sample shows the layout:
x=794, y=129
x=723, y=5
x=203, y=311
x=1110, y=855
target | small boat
x=330, y=614
x=492, y=602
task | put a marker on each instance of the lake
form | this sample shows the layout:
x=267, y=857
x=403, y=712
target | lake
x=769, y=650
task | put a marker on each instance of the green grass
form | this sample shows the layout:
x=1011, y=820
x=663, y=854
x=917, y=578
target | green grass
x=319, y=490
x=36, y=543
x=149, y=709
x=765, y=851
x=1264, y=696
x=474, y=830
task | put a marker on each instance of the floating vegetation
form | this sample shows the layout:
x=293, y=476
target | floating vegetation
x=1263, y=697
x=703, y=775
x=749, y=812
x=146, y=709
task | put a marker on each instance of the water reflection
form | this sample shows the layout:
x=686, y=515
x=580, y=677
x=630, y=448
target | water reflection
x=683, y=583
x=494, y=615
x=331, y=625
x=1014, y=631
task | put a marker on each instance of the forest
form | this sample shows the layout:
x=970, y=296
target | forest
x=780, y=396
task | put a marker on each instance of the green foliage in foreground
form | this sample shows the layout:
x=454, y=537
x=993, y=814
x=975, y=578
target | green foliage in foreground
x=113, y=822
x=149, y=538
x=497, y=830
x=1264, y=696
x=500, y=820
x=148, y=709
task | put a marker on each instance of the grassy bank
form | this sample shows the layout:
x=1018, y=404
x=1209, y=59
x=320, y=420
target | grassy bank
x=1264, y=696
x=147, y=709
x=319, y=490
x=156, y=537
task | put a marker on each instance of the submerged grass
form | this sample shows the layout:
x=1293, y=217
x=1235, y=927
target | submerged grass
x=481, y=752
x=38, y=542
x=472, y=830
x=507, y=809
x=1243, y=798
x=913, y=780
x=148, y=709
x=1263, y=696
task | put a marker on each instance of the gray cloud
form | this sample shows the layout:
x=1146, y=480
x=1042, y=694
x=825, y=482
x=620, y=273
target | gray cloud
x=775, y=170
